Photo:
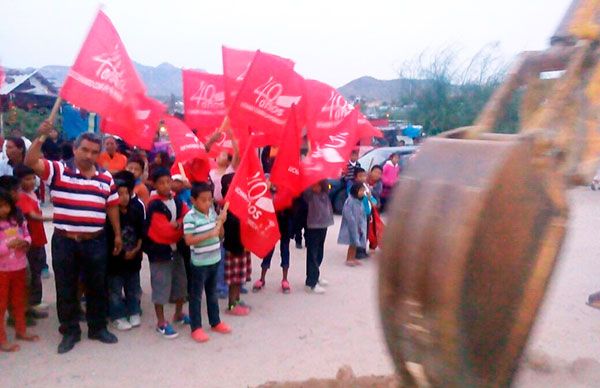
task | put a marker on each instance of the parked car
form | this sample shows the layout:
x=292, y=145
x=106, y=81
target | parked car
x=376, y=156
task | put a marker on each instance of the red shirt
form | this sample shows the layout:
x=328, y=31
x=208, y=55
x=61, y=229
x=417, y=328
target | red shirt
x=29, y=204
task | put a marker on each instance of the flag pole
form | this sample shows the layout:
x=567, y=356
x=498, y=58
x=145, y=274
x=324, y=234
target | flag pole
x=54, y=110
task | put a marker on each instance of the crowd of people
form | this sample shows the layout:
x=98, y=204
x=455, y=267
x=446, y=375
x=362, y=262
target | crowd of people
x=113, y=204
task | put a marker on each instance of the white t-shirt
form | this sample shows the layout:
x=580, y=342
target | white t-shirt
x=170, y=203
x=216, y=176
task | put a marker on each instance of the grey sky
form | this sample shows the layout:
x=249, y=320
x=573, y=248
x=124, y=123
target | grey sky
x=333, y=41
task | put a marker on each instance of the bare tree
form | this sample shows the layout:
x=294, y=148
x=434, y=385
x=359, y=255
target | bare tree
x=446, y=93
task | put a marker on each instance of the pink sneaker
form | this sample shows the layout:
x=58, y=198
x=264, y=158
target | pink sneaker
x=238, y=310
x=200, y=336
x=285, y=287
x=222, y=328
x=258, y=285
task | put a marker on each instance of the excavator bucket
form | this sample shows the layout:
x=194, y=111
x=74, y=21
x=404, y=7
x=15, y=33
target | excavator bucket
x=473, y=234
x=478, y=219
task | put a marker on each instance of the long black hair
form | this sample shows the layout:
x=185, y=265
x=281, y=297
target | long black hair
x=19, y=143
x=15, y=214
x=355, y=188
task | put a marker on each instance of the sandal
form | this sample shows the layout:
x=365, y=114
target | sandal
x=28, y=337
x=353, y=263
x=8, y=347
x=285, y=287
x=258, y=285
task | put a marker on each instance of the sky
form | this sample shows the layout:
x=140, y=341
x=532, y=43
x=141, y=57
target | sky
x=333, y=41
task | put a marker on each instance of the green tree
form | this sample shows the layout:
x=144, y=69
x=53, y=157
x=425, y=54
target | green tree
x=29, y=120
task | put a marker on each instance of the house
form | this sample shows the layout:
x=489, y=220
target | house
x=26, y=90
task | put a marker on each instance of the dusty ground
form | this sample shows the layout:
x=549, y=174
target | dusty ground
x=297, y=336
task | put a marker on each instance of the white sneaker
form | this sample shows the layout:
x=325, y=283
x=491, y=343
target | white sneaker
x=42, y=307
x=122, y=324
x=323, y=282
x=135, y=320
x=315, y=290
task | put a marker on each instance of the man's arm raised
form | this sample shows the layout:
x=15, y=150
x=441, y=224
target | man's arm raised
x=33, y=158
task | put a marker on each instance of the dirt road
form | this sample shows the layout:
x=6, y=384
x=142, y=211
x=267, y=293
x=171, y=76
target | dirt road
x=296, y=336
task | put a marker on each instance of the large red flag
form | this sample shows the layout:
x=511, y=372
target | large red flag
x=249, y=199
x=185, y=144
x=263, y=103
x=329, y=156
x=203, y=101
x=140, y=128
x=285, y=174
x=103, y=78
x=325, y=109
x=366, y=130
x=235, y=66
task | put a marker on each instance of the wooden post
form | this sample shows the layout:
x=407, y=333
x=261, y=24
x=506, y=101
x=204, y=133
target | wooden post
x=54, y=110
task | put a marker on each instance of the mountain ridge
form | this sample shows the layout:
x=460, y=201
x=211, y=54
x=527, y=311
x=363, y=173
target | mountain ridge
x=164, y=80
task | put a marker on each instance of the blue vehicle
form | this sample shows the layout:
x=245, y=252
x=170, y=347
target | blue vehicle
x=377, y=156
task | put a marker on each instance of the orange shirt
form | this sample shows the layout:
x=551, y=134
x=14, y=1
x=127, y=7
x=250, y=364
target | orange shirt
x=142, y=192
x=114, y=164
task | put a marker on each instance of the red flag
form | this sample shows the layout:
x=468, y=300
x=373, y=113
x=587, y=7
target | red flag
x=329, y=156
x=139, y=129
x=285, y=174
x=235, y=66
x=325, y=109
x=185, y=144
x=366, y=130
x=263, y=103
x=249, y=199
x=203, y=101
x=103, y=78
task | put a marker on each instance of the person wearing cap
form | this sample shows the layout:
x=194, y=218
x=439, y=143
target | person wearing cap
x=180, y=185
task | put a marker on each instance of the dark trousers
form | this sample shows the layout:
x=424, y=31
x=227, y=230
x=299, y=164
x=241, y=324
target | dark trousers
x=315, y=244
x=128, y=283
x=204, y=278
x=284, y=248
x=300, y=214
x=36, y=257
x=70, y=259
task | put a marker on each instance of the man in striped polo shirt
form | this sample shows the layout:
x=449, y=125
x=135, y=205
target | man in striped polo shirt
x=202, y=231
x=82, y=195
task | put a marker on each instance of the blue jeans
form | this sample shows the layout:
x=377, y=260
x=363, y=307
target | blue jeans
x=70, y=259
x=284, y=248
x=204, y=278
x=221, y=285
x=129, y=283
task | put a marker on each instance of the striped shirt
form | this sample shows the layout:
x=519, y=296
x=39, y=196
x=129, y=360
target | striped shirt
x=79, y=203
x=207, y=252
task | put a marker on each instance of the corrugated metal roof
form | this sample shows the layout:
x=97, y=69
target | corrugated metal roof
x=39, y=85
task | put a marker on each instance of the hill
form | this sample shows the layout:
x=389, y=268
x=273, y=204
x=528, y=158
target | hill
x=161, y=81
x=369, y=88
